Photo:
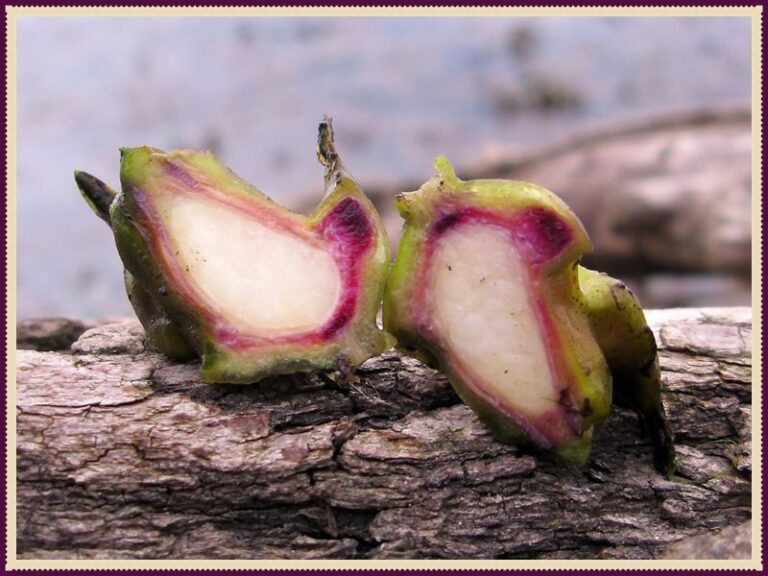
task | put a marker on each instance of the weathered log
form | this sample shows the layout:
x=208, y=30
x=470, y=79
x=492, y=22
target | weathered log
x=122, y=454
x=49, y=333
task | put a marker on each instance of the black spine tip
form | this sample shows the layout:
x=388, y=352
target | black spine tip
x=98, y=194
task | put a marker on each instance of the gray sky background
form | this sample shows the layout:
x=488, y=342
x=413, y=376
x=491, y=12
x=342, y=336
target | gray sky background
x=401, y=91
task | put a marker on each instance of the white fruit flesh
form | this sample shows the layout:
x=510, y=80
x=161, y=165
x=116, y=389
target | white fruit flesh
x=266, y=281
x=481, y=309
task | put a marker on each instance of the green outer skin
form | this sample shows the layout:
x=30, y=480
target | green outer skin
x=629, y=346
x=561, y=283
x=143, y=167
x=161, y=332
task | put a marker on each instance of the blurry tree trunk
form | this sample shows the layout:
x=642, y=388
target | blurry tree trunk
x=122, y=454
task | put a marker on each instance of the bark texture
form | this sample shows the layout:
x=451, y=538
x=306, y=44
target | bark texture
x=122, y=454
x=50, y=333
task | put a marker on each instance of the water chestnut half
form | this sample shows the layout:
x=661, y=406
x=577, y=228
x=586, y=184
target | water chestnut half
x=251, y=287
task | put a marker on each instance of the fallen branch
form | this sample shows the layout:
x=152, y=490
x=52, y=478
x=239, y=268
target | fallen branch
x=122, y=454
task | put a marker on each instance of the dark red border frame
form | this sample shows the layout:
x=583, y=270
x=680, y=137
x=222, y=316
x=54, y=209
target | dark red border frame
x=352, y=3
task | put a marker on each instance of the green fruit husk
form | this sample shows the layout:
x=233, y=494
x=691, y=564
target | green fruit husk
x=590, y=392
x=178, y=324
x=629, y=346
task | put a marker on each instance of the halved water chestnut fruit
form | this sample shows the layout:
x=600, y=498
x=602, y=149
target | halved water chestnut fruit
x=253, y=288
x=485, y=284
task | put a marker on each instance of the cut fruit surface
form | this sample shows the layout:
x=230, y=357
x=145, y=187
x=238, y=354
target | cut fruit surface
x=481, y=304
x=215, y=266
x=272, y=282
x=485, y=284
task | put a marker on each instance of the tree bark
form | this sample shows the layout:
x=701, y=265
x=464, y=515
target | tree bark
x=123, y=454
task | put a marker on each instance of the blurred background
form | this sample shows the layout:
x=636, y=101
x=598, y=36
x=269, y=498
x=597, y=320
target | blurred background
x=641, y=124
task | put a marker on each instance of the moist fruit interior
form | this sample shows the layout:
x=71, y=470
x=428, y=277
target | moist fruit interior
x=273, y=280
x=482, y=308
